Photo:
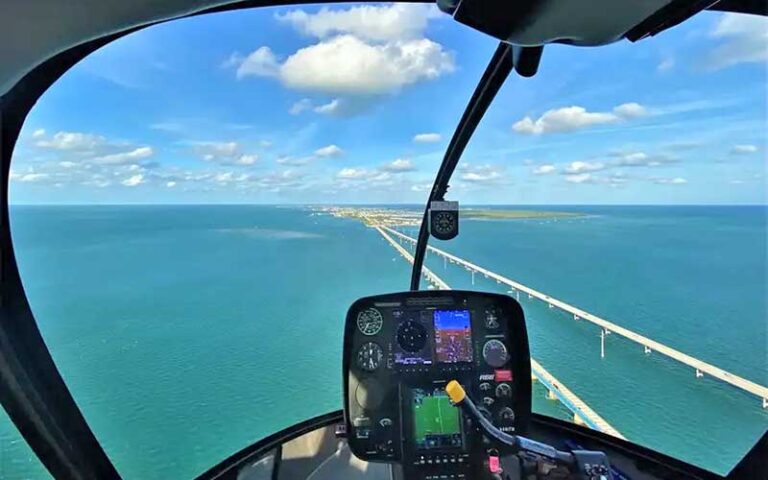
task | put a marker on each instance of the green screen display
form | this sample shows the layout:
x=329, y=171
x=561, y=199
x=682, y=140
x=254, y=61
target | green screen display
x=436, y=422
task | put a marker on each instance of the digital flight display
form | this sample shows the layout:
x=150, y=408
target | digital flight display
x=436, y=422
x=453, y=336
x=413, y=345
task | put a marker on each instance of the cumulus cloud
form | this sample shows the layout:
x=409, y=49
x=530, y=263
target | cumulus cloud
x=580, y=178
x=744, y=149
x=427, y=137
x=399, y=165
x=361, y=51
x=300, y=106
x=133, y=180
x=125, y=157
x=745, y=40
x=482, y=174
x=294, y=161
x=544, y=169
x=377, y=23
x=615, y=180
x=642, y=159
x=329, y=151
x=224, y=153
x=352, y=173
x=579, y=167
x=70, y=141
x=666, y=65
x=569, y=119
x=40, y=132
x=670, y=181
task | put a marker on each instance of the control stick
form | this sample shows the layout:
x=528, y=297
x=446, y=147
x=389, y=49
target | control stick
x=585, y=464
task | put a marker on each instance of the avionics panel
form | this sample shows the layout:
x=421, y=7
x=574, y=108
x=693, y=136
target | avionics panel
x=399, y=352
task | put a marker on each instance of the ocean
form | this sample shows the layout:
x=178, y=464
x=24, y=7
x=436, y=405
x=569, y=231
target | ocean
x=186, y=333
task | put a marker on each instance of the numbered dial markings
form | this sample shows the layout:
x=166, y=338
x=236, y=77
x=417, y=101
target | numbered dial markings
x=369, y=356
x=369, y=321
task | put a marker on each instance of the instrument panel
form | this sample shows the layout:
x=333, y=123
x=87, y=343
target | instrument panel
x=401, y=349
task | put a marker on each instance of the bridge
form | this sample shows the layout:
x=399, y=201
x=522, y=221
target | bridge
x=649, y=345
x=582, y=413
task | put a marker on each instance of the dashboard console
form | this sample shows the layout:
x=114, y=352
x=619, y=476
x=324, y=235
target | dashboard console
x=401, y=349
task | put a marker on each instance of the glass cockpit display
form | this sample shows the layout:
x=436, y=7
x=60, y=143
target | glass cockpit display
x=453, y=336
x=436, y=422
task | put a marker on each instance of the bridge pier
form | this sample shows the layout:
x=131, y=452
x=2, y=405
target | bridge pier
x=445, y=263
x=575, y=317
x=578, y=420
x=551, y=395
x=602, y=343
x=765, y=403
x=473, y=277
x=646, y=349
x=699, y=374
x=550, y=305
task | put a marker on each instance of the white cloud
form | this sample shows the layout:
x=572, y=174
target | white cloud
x=246, y=159
x=666, y=65
x=421, y=187
x=642, y=159
x=67, y=164
x=352, y=173
x=300, y=106
x=265, y=143
x=583, y=167
x=670, y=181
x=427, y=137
x=294, y=161
x=746, y=41
x=744, y=149
x=329, y=151
x=349, y=65
x=569, y=119
x=630, y=110
x=329, y=108
x=580, y=178
x=544, y=169
x=399, y=165
x=133, y=180
x=40, y=132
x=261, y=62
x=224, y=153
x=482, y=174
x=71, y=141
x=125, y=157
x=377, y=23
x=170, y=184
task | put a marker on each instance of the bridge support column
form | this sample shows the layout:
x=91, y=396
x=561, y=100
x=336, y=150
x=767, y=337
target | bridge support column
x=445, y=263
x=551, y=395
x=602, y=343
x=578, y=420
x=765, y=403
x=473, y=277
x=699, y=374
x=575, y=317
x=646, y=349
x=551, y=306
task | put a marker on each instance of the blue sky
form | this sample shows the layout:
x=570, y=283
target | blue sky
x=355, y=103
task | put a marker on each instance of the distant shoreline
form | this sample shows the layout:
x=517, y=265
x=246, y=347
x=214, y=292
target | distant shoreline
x=488, y=214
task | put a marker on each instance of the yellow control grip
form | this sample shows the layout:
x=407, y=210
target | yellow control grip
x=455, y=391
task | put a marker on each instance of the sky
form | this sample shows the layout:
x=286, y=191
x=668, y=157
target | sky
x=357, y=103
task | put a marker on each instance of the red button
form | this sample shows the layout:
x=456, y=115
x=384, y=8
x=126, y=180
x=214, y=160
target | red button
x=502, y=376
x=493, y=464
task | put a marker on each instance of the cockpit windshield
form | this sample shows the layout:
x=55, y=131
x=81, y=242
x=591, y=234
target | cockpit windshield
x=195, y=205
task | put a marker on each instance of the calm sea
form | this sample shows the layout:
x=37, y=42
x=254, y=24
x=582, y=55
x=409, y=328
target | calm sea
x=188, y=332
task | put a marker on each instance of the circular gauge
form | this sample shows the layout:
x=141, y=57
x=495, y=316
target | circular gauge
x=411, y=336
x=506, y=415
x=495, y=353
x=369, y=321
x=369, y=356
x=491, y=320
x=445, y=222
x=503, y=390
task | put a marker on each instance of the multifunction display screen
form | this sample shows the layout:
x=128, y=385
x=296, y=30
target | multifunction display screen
x=453, y=336
x=436, y=423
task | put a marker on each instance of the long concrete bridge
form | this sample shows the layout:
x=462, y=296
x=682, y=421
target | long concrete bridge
x=582, y=413
x=649, y=345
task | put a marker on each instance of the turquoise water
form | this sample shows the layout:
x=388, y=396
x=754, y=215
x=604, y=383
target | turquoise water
x=187, y=332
